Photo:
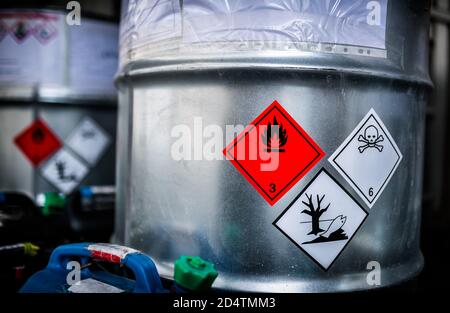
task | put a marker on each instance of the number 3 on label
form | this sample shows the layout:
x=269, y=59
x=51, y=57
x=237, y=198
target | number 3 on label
x=273, y=187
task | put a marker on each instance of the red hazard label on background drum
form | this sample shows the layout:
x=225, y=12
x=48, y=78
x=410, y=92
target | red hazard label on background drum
x=37, y=142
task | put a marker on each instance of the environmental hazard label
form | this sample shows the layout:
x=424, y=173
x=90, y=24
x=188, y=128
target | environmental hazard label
x=45, y=32
x=273, y=153
x=64, y=171
x=322, y=219
x=368, y=158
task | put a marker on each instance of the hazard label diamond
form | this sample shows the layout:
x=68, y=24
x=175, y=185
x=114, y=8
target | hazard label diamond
x=322, y=219
x=273, y=153
x=89, y=140
x=45, y=32
x=368, y=158
x=37, y=142
x=20, y=31
x=64, y=171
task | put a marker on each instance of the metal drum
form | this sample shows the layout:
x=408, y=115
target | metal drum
x=343, y=74
x=61, y=75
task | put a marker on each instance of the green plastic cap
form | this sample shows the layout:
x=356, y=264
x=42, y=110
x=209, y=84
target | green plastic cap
x=194, y=273
x=50, y=202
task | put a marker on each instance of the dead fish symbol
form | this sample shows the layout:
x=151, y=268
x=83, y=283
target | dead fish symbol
x=335, y=225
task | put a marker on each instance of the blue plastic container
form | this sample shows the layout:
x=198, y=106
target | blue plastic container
x=53, y=278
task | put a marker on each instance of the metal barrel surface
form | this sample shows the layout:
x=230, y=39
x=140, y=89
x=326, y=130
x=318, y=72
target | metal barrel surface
x=343, y=71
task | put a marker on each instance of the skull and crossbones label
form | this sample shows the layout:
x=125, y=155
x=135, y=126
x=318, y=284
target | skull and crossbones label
x=371, y=139
x=368, y=157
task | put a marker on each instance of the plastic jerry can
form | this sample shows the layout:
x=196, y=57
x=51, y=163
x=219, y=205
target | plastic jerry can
x=70, y=270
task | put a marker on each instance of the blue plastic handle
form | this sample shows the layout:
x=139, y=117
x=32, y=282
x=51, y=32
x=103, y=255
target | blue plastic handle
x=147, y=279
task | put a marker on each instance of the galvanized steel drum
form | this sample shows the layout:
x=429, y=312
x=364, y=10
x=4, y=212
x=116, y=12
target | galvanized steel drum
x=342, y=85
x=57, y=101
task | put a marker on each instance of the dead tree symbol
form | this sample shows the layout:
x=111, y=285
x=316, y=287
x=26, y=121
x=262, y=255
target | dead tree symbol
x=315, y=213
x=61, y=170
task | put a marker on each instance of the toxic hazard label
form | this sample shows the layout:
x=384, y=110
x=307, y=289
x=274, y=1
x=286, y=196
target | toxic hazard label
x=64, y=171
x=368, y=158
x=37, y=142
x=89, y=140
x=322, y=219
x=273, y=153
x=45, y=32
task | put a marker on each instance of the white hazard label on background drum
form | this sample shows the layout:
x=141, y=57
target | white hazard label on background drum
x=322, y=219
x=89, y=140
x=64, y=171
x=368, y=158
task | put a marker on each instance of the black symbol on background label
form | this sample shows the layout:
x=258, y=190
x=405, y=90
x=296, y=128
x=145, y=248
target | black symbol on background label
x=61, y=169
x=88, y=133
x=44, y=33
x=275, y=137
x=21, y=31
x=38, y=135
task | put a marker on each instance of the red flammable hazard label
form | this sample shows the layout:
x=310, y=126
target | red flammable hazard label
x=273, y=153
x=37, y=142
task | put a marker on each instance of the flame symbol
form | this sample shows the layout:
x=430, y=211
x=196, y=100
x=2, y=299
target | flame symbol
x=276, y=140
x=38, y=135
